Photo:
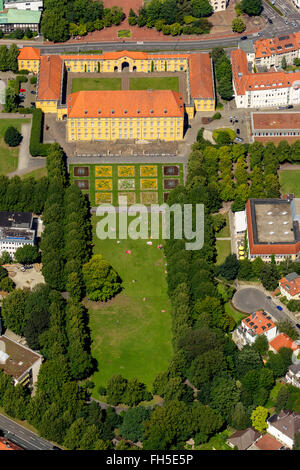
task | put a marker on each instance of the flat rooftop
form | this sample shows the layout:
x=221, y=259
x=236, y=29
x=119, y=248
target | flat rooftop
x=274, y=222
x=16, y=234
x=15, y=219
x=19, y=359
x=277, y=120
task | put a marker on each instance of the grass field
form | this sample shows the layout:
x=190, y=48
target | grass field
x=225, y=231
x=132, y=336
x=38, y=173
x=124, y=33
x=235, y=314
x=223, y=250
x=154, y=83
x=9, y=155
x=92, y=84
x=290, y=182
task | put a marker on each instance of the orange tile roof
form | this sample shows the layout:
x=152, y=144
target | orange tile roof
x=49, y=83
x=29, y=53
x=125, y=103
x=283, y=341
x=246, y=81
x=5, y=444
x=201, y=80
x=260, y=321
x=267, y=442
x=292, y=287
x=273, y=46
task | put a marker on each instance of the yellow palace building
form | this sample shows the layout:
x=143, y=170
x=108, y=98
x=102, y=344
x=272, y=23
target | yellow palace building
x=53, y=69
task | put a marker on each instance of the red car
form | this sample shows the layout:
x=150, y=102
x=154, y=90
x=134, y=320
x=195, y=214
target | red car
x=22, y=90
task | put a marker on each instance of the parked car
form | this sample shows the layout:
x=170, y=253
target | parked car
x=286, y=21
x=33, y=92
x=280, y=107
x=279, y=308
x=290, y=106
x=259, y=33
x=269, y=297
x=238, y=139
x=243, y=38
x=22, y=90
x=238, y=132
x=270, y=21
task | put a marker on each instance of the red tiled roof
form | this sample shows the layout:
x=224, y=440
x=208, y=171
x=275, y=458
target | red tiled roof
x=125, y=103
x=267, y=249
x=29, y=53
x=246, y=81
x=5, y=444
x=260, y=321
x=50, y=78
x=283, y=341
x=267, y=442
x=201, y=81
x=273, y=46
x=292, y=287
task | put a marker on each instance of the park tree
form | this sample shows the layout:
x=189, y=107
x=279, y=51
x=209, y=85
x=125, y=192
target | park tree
x=238, y=25
x=116, y=387
x=240, y=417
x=261, y=344
x=201, y=8
x=75, y=433
x=27, y=254
x=12, y=57
x=12, y=311
x=12, y=137
x=259, y=417
x=229, y=269
x=54, y=26
x=101, y=280
x=224, y=395
x=7, y=284
x=251, y=7
x=132, y=425
x=285, y=326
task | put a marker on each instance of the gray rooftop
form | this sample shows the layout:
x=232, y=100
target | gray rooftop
x=274, y=222
x=247, y=46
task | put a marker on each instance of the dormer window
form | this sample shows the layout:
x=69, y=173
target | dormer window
x=99, y=111
x=125, y=111
x=165, y=111
x=85, y=111
x=151, y=111
x=138, y=111
x=112, y=111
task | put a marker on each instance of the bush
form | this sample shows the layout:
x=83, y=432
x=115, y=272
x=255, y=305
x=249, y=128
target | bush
x=36, y=147
x=33, y=80
x=12, y=136
x=217, y=115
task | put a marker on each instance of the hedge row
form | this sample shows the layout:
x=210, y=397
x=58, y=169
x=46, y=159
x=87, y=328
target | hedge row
x=36, y=147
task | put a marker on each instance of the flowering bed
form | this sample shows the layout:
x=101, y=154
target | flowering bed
x=126, y=184
x=126, y=171
x=149, y=198
x=102, y=198
x=103, y=185
x=103, y=171
x=149, y=184
x=148, y=170
x=130, y=197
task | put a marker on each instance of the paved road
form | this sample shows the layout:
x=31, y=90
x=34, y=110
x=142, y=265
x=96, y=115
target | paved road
x=22, y=436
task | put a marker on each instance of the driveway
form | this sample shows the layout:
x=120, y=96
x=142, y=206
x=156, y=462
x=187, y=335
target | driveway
x=250, y=299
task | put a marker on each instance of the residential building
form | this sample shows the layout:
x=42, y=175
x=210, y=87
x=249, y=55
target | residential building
x=274, y=127
x=20, y=362
x=290, y=286
x=267, y=442
x=256, y=324
x=283, y=426
x=14, y=19
x=293, y=375
x=16, y=230
x=219, y=5
x=271, y=51
x=264, y=89
x=243, y=439
x=33, y=5
x=128, y=114
x=6, y=444
x=53, y=73
x=283, y=341
x=273, y=229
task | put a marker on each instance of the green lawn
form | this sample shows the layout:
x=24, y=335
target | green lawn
x=91, y=84
x=223, y=250
x=154, y=83
x=235, y=314
x=124, y=33
x=9, y=155
x=290, y=182
x=132, y=336
x=38, y=173
x=225, y=231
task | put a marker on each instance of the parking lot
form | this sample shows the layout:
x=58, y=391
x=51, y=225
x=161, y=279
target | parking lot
x=25, y=279
x=27, y=98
